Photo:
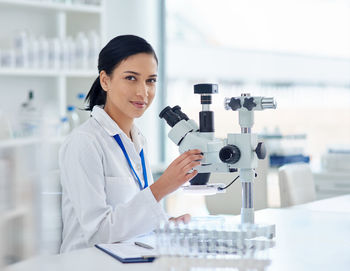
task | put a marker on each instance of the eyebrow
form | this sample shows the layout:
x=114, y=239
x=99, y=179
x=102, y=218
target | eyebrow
x=136, y=73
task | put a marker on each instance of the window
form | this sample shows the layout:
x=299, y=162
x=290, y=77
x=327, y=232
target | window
x=296, y=51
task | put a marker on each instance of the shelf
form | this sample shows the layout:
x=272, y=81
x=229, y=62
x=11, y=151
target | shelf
x=53, y=6
x=47, y=73
x=20, y=142
x=82, y=73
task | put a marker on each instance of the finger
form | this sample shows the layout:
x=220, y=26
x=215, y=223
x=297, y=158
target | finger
x=183, y=218
x=195, y=151
x=190, y=159
x=186, y=218
x=191, y=152
x=191, y=175
x=198, y=157
x=185, y=155
x=191, y=166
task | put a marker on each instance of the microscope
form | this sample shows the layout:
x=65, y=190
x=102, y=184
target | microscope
x=236, y=153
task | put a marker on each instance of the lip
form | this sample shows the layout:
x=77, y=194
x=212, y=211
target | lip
x=139, y=104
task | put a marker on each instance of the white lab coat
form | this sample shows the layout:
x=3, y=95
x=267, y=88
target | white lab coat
x=102, y=201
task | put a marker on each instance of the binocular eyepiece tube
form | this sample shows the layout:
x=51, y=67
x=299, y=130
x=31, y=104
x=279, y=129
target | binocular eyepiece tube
x=173, y=115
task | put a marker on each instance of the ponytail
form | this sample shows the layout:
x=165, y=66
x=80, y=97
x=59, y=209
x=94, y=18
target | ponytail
x=96, y=95
x=111, y=55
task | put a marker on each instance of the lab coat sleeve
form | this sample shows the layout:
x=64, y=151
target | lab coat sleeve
x=82, y=177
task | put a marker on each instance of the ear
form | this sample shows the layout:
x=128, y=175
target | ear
x=105, y=81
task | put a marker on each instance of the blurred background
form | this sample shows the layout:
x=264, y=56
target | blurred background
x=296, y=51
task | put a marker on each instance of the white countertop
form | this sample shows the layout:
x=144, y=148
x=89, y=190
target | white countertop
x=313, y=236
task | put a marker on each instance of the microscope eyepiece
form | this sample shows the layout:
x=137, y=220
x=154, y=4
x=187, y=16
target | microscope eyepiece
x=170, y=117
x=177, y=110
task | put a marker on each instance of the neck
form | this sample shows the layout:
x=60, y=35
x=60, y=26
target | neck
x=124, y=122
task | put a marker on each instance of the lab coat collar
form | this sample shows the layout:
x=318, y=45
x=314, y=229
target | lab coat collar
x=112, y=128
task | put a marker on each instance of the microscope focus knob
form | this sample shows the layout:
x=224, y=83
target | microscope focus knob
x=261, y=150
x=249, y=103
x=234, y=104
x=230, y=154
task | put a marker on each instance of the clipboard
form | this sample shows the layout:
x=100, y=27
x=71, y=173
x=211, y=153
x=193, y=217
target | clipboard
x=133, y=254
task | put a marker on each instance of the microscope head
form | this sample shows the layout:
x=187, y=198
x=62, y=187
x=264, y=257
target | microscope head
x=237, y=151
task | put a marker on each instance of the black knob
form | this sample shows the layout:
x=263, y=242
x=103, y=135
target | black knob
x=170, y=117
x=205, y=88
x=230, y=154
x=261, y=150
x=249, y=103
x=235, y=104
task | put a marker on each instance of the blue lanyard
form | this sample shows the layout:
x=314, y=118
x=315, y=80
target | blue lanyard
x=119, y=141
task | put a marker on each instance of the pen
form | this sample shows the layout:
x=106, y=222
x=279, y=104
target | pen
x=143, y=245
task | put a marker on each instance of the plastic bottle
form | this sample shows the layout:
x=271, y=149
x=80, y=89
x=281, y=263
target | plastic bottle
x=64, y=126
x=33, y=53
x=71, y=53
x=54, y=53
x=8, y=58
x=21, y=49
x=94, y=49
x=43, y=53
x=30, y=118
x=81, y=97
x=73, y=117
x=82, y=51
x=65, y=54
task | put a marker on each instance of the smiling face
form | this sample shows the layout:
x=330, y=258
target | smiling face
x=131, y=87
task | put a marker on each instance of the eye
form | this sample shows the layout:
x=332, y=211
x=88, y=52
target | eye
x=152, y=80
x=130, y=77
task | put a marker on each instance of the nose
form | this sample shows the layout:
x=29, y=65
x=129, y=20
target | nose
x=142, y=90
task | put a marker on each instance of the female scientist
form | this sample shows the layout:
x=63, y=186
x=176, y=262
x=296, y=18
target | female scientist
x=108, y=190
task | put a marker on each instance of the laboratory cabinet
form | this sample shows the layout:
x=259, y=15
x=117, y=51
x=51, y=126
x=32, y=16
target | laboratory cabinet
x=48, y=61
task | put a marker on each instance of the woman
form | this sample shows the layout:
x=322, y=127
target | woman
x=108, y=190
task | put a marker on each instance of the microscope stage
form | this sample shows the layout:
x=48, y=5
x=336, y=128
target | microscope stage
x=208, y=189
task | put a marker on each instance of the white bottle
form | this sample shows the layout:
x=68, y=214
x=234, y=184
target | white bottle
x=43, y=53
x=33, y=53
x=21, y=49
x=73, y=117
x=30, y=117
x=82, y=51
x=64, y=54
x=94, y=49
x=54, y=54
x=71, y=53
x=81, y=97
x=64, y=126
x=8, y=58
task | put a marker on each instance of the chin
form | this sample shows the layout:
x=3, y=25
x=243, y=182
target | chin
x=138, y=114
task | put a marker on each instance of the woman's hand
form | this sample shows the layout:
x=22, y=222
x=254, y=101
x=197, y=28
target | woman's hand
x=182, y=218
x=177, y=174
